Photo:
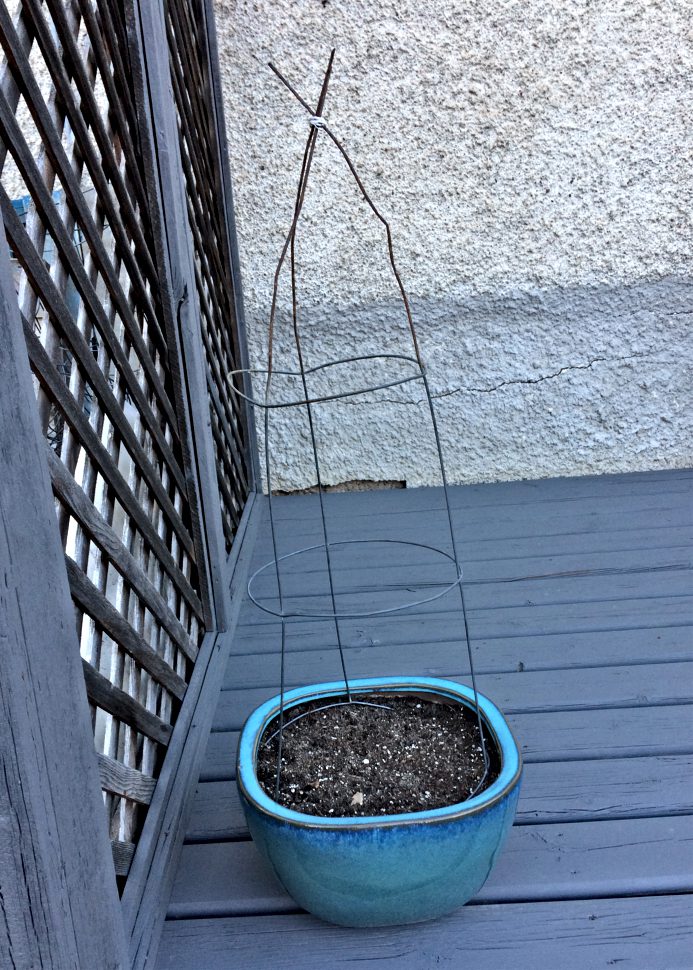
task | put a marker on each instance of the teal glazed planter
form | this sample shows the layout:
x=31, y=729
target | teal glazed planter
x=386, y=869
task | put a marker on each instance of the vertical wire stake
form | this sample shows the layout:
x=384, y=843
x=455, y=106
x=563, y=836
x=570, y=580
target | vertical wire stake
x=289, y=244
x=311, y=421
x=465, y=620
x=273, y=532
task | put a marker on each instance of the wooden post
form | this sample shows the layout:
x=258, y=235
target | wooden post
x=150, y=880
x=146, y=894
x=59, y=905
x=149, y=60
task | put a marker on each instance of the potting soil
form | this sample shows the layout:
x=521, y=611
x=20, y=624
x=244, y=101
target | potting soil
x=358, y=761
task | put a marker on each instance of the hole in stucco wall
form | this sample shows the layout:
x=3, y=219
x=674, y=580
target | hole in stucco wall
x=358, y=485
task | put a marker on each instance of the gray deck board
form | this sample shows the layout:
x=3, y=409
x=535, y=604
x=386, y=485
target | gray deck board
x=480, y=527
x=508, y=558
x=493, y=495
x=534, y=690
x=491, y=654
x=552, y=571
x=586, y=493
x=530, y=620
x=581, y=616
x=650, y=932
x=555, y=861
x=567, y=591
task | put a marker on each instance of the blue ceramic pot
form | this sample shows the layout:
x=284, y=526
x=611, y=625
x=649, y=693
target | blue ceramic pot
x=386, y=869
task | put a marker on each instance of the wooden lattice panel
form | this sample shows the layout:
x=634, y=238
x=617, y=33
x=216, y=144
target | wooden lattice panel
x=89, y=295
x=192, y=88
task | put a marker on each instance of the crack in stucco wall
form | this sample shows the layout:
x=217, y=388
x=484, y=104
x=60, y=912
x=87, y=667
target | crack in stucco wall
x=461, y=389
x=583, y=380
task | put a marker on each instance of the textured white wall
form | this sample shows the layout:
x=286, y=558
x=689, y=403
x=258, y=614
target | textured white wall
x=534, y=158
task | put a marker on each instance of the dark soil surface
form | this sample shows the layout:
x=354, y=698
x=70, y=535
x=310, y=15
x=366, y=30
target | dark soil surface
x=356, y=760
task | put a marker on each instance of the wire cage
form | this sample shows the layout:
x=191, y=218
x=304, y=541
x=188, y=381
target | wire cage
x=395, y=369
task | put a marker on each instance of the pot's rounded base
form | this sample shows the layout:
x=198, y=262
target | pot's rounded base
x=385, y=876
x=384, y=870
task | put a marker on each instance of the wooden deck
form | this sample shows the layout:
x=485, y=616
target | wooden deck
x=580, y=597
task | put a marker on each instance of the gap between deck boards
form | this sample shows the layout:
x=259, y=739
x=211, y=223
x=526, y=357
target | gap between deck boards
x=520, y=692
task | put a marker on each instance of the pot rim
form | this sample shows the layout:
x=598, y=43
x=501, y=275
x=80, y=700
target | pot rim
x=253, y=729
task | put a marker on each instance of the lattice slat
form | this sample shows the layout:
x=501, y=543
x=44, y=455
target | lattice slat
x=126, y=782
x=107, y=467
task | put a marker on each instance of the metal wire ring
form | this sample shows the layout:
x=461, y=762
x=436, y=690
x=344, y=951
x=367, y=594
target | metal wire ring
x=359, y=614
x=418, y=376
x=316, y=710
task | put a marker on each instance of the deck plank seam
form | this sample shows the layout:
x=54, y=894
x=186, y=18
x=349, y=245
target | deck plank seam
x=488, y=638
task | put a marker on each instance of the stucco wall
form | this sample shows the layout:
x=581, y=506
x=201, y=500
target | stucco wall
x=534, y=158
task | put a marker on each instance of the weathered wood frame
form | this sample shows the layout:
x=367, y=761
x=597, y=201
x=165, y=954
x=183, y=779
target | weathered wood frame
x=103, y=365
x=151, y=877
x=149, y=881
x=102, y=932
x=149, y=64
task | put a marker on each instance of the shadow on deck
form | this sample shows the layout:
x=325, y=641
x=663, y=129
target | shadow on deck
x=581, y=606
